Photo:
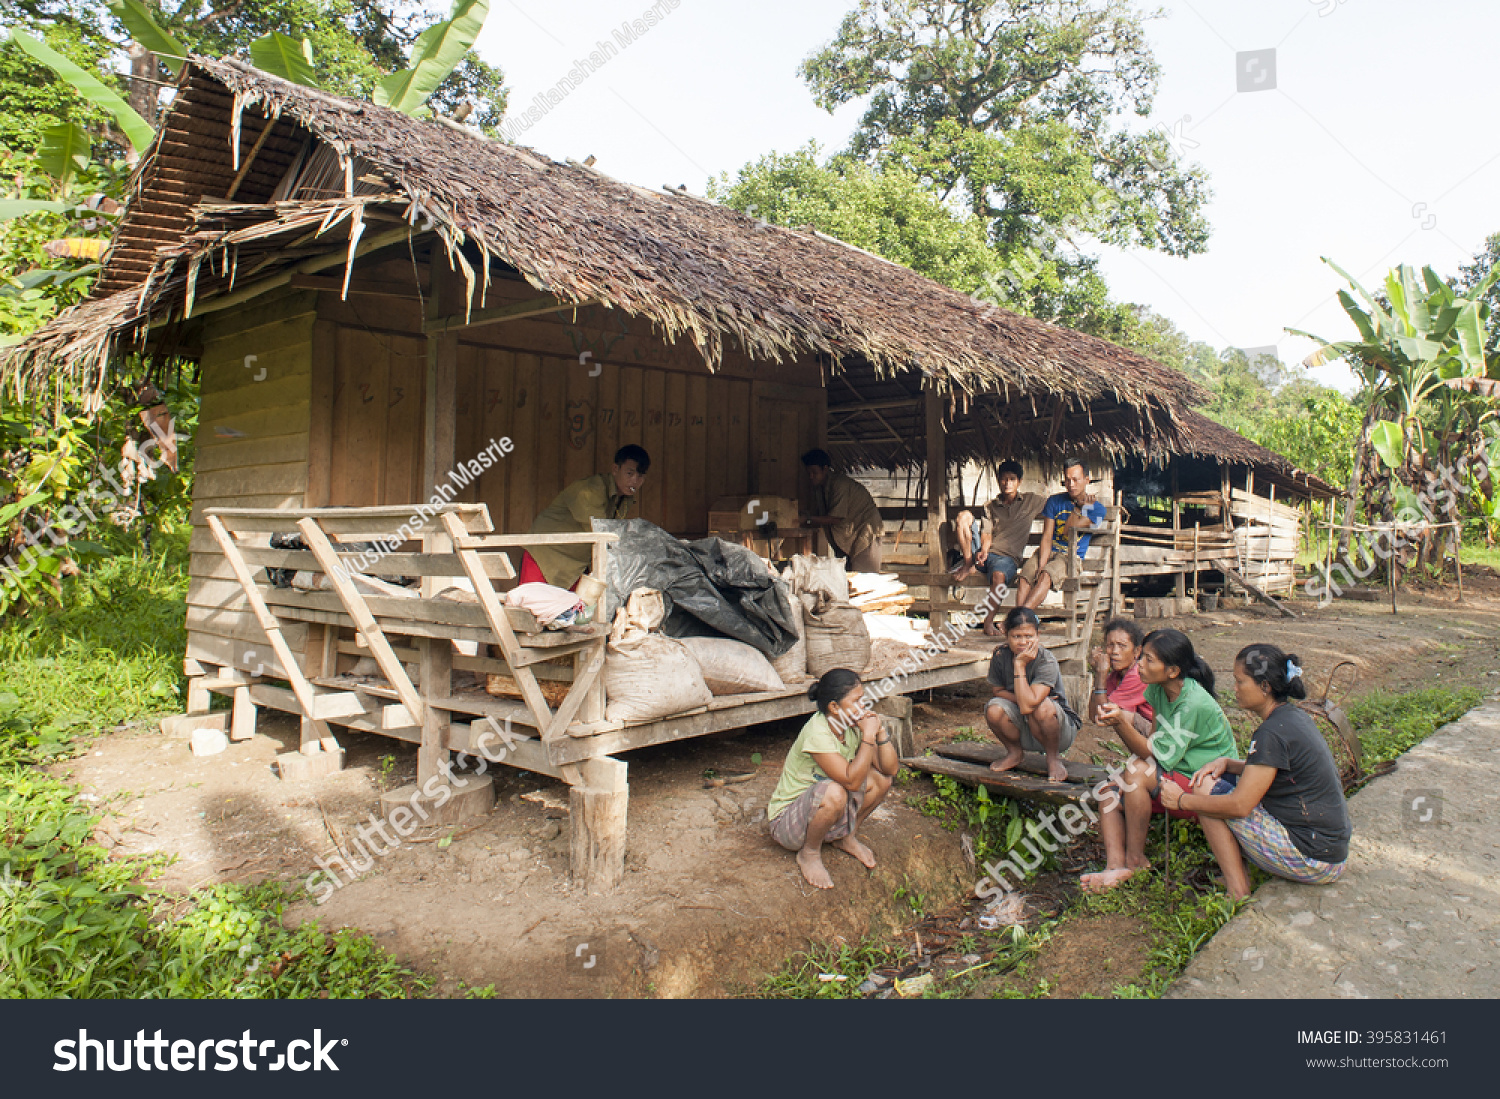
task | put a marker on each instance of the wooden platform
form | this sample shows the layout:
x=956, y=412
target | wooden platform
x=969, y=763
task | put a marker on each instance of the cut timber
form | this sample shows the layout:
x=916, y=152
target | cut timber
x=1013, y=784
x=895, y=719
x=597, y=804
x=1033, y=763
x=463, y=799
x=184, y=725
x=1229, y=571
x=304, y=767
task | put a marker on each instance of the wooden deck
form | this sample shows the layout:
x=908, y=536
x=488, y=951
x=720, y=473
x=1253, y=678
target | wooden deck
x=969, y=763
x=572, y=741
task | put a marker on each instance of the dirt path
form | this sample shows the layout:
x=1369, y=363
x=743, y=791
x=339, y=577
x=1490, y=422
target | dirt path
x=709, y=904
x=1416, y=914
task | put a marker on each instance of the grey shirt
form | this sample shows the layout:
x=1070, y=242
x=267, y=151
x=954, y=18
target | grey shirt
x=1041, y=672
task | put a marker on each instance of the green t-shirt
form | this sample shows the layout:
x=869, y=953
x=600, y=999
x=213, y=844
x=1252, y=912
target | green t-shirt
x=800, y=770
x=1190, y=732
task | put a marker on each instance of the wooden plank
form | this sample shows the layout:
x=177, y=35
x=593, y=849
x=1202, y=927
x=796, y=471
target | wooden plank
x=267, y=620
x=357, y=469
x=607, y=416
x=412, y=440
x=216, y=454
x=390, y=564
x=546, y=303
x=468, y=415
x=1012, y=784
x=494, y=612
x=651, y=502
x=1034, y=763
x=526, y=498
x=350, y=523
x=287, y=477
x=495, y=393
x=395, y=613
x=590, y=673
x=673, y=460
x=580, y=421
x=364, y=621
x=1229, y=571
x=437, y=680
x=546, y=456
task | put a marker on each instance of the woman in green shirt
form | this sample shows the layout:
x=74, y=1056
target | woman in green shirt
x=838, y=770
x=1191, y=731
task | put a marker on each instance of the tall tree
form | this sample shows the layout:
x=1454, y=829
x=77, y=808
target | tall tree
x=1012, y=109
x=1471, y=275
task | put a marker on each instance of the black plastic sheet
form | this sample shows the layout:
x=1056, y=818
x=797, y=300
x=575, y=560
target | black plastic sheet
x=711, y=588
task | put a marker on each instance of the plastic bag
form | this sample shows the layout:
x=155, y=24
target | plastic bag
x=710, y=588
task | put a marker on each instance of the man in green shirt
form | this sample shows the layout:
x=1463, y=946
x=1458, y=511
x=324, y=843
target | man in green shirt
x=847, y=510
x=602, y=496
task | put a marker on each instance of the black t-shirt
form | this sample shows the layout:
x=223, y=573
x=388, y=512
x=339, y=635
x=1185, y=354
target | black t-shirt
x=1306, y=795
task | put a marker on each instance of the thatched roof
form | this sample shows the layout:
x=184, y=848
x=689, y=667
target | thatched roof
x=692, y=268
x=1204, y=438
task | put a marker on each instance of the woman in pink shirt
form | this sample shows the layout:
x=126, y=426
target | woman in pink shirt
x=1116, y=677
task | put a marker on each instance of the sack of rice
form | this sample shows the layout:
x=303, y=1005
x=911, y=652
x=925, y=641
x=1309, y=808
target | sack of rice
x=836, y=635
x=731, y=667
x=646, y=674
x=791, y=665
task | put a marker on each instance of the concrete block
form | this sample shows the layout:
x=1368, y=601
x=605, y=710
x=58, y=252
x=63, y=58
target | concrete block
x=182, y=726
x=467, y=797
x=297, y=767
x=208, y=742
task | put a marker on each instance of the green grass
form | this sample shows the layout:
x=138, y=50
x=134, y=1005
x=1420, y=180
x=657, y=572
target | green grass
x=1480, y=554
x=1389, y=724
x=73, y=921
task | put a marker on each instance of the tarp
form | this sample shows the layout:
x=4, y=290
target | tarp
x=712, y=588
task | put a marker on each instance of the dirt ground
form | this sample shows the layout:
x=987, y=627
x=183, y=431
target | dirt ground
x=709, y=904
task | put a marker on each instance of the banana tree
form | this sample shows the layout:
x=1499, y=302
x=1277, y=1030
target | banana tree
x=1414, y=344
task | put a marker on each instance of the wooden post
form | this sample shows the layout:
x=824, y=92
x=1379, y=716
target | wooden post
x=937, y=492
x=439, y=412
x=437, y=682
x=598, y=801
x=1458, y=558
x=1195, y=562
x=1181, y=585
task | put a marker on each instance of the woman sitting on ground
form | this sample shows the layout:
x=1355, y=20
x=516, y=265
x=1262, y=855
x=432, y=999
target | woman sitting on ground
x=838, y=770
x=1191, y=732
x=1029, y=712
x=1117, y=679
x=1287, y=810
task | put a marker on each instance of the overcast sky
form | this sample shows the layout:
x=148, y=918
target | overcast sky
x=1374, y=147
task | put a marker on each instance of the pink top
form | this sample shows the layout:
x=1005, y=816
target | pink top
x=1128, y=692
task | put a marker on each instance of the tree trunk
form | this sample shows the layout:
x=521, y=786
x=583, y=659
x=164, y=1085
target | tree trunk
x=1355, y=475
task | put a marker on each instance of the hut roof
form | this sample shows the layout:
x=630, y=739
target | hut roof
x=691, y=267
x=1204, y=438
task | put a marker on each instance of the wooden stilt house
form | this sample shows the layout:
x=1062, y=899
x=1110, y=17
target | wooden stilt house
x=398, y=320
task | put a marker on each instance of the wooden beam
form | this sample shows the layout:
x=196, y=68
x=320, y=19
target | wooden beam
x=533, y=307
x=1229, y=571
x=937, y=493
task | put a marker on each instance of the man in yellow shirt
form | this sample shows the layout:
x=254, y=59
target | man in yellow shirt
x=845, y=507
x=602, y=496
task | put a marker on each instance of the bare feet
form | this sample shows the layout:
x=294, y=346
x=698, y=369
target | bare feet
x=964, y=572
x=1057, y=770
x=1106, y=880
x=1012, y=759
x=850, y=845
x=990, y=629
x=811, y=864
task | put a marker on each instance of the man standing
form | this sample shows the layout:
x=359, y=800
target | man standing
x=995, y=542
x=847, y=510
x=602, y=496
x=1074, y=509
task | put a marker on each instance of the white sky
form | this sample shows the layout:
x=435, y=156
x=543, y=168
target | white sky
x=1375, y=147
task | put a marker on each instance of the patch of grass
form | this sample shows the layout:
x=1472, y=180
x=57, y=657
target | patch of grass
x=968, y=732
x=1389, y=723
x=799, y=978
x=75, y=922
x=1475, y=553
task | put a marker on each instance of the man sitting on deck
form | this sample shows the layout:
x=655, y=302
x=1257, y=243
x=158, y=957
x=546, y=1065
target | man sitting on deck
x=602, y=496
x=995, y=542
x=1075, y=509
x=845, y=507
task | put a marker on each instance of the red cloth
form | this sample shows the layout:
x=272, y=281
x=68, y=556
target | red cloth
x=1128, y=692
x=531, y=572
x=1186, y=782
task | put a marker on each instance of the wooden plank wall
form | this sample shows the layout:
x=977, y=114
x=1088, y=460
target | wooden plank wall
x=253, y=450
x=570, y=388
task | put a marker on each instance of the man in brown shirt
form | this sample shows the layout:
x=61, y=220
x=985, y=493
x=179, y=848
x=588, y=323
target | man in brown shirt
x=994, y=542
x=847, y=510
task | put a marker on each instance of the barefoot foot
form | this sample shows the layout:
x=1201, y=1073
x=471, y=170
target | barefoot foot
x=850, y=845
x=811, y=865
x=1106, y=880
x=1057, y=770
x=990, y=629
x=1012, y=759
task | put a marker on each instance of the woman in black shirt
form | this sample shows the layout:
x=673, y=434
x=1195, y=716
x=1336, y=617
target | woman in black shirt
x=1287, y=810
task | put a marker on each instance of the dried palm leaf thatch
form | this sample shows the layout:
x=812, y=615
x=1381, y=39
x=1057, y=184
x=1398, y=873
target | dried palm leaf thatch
x=694, y=269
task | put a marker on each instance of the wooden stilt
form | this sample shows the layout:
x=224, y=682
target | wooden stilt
x=598, y=803
x=437, y=682
x=937, y=492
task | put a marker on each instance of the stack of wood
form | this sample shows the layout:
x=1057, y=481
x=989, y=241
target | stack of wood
x=877, y=593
